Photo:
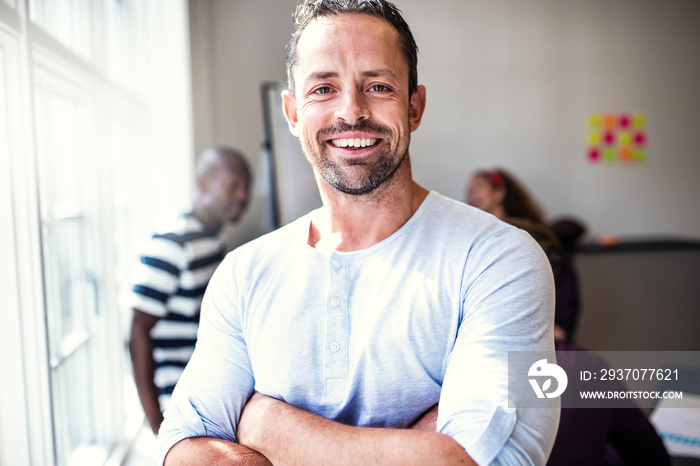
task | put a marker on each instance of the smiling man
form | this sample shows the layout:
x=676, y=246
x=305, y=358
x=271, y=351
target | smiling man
x=376, y=329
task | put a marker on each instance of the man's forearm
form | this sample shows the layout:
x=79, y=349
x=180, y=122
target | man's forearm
x=143, y=366
x=213, y=452
x=291, y=436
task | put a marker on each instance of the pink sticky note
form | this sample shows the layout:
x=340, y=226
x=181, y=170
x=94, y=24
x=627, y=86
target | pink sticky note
x=609, y=138
x=624, y=121
x=593, y=155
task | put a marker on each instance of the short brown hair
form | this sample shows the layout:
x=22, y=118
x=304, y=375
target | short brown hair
x=309, y=10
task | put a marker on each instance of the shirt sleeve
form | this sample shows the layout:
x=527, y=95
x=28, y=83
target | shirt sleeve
x=508, y=305
x=218, y=380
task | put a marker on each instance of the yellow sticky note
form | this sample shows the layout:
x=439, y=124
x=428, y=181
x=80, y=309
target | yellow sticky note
x=593, y=138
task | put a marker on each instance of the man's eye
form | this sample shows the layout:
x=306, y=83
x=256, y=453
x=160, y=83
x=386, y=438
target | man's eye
x=322, y=90
x=379, y=88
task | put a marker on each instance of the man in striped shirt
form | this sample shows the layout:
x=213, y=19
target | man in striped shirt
x=173, y=274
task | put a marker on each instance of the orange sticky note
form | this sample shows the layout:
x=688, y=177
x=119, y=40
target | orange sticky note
x=609, y=120
x=625, y=154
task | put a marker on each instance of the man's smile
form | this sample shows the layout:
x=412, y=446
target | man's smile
x=354, y=142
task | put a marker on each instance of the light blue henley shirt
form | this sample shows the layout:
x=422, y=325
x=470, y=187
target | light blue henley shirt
x=376, y=337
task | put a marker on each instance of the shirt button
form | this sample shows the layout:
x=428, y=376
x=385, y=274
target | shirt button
x=335, y=301
x=335, y=346
x=337, y=264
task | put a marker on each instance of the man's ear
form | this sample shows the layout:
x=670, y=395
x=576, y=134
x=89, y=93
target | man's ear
x=289, y=104
x=202, y=185
x=416, y=107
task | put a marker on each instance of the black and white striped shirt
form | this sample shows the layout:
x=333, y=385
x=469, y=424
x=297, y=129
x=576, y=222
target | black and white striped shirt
x=175, y=269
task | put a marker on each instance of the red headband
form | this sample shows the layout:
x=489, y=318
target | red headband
x=496, y=179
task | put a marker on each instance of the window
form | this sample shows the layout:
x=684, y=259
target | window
x=68, y=21
x=81, y=134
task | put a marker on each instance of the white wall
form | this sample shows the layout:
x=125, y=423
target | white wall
x=510, y=83
x=236, y=45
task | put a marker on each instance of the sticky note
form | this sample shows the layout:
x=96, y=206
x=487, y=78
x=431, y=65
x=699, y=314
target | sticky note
x=609, y=120
x=609, y=138
x=624, y=121
x=640, y=155
x=593, y=155
x=626, y=154
x=609, y=155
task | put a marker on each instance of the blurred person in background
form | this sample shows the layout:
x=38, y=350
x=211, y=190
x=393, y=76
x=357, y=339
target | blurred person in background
x=174, y=271
x=501, y=194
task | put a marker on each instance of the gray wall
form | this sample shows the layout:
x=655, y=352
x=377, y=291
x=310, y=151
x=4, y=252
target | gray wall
x=641, y=301
x=510, y=83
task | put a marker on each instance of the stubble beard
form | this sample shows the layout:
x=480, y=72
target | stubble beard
x=359, y=176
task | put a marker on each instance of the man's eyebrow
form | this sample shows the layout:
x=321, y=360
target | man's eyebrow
x=384, y=72
x=321, y=75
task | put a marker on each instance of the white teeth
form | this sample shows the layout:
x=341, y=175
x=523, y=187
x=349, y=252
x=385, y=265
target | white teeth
x=356, y=142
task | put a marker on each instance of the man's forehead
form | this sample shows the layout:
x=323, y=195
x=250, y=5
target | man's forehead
x=357, y=23
x=366, y=35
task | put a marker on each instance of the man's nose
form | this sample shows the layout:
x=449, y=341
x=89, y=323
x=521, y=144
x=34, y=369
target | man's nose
x=353, y=107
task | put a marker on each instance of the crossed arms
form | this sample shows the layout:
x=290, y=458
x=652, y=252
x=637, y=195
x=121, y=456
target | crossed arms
x=273, y=432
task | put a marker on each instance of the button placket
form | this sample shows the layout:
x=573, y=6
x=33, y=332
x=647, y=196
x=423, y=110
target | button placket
x=336, y=324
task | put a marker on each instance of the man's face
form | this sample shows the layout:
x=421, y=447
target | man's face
x=351, y=109
x=226, y=195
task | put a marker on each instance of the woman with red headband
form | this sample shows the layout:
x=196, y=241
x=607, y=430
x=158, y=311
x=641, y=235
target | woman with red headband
x=499, y=193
